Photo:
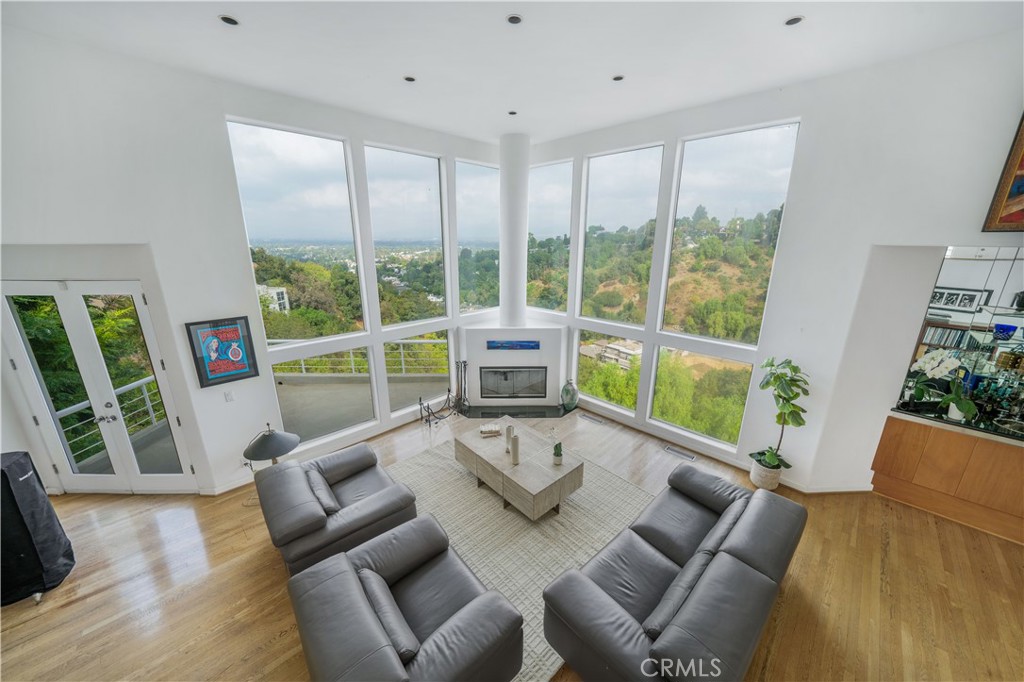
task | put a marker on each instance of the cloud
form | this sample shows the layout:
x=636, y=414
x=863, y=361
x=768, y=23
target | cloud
x=550, y=200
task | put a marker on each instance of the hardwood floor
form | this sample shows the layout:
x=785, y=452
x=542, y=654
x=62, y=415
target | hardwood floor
x=190, y=588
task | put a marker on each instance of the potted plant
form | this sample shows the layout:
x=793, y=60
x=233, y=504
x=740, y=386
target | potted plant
x=960, y=406
x=787, y=383
x=557, y=455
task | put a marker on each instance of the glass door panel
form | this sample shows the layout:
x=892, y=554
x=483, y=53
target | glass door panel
x=46, y=340
x=126, y=357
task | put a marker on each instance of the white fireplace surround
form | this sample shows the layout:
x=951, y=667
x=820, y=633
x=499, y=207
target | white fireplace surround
x=551, y=355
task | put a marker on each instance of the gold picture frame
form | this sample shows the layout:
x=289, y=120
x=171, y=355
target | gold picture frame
x=1007, y=211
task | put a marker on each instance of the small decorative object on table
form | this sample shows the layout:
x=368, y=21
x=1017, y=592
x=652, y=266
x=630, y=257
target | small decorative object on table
x=570, y=396
x=490, y=430
x=509, y=431
x=557, y=459
x=515, y=450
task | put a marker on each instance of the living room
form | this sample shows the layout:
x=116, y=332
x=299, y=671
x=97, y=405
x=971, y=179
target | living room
x=343, y=196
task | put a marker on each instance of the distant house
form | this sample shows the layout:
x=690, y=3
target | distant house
x=277, y=296
x=622, y=353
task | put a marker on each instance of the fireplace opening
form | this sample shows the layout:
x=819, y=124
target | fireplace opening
x=513, y=382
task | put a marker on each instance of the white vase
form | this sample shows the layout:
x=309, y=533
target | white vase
x=763, y=477
x=955, y=414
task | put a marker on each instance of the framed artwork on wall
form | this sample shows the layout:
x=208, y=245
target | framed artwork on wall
x=222, y=350
x=959, y=300
x=1007, y=211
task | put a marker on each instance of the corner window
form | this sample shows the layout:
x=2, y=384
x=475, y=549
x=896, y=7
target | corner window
x=547, y=257
x=477, y=218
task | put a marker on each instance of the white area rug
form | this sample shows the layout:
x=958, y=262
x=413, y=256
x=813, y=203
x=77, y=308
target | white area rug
x=510, y=553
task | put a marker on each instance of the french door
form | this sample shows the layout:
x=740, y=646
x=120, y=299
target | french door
x=86, y=358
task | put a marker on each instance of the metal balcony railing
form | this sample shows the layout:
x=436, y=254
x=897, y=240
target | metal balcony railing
x=410, y=356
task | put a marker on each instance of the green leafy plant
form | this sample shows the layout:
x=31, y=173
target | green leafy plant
x=558, y=449
x=959, y=399
x=788, y=384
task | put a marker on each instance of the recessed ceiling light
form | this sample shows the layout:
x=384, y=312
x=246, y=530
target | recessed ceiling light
x=229, y=20
x=617, y=78
x=512, y=113
x=793, y=21
x=410, y=79
x=514, y=19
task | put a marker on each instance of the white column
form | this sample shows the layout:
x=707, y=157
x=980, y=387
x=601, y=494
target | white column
x=514, y=160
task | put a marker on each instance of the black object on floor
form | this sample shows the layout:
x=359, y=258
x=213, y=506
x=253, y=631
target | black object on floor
x=36, y=554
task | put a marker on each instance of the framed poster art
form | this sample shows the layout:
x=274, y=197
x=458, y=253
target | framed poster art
x=222, y=350
x=959, y=300
x=1007, y=211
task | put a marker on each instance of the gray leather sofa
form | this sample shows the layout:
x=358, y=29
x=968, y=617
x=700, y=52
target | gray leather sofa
x=683, y=592
x=404, y=606
x=330, y=504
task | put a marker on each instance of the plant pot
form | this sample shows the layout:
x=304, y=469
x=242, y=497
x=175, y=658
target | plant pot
x=955, y=414
x=763, y=477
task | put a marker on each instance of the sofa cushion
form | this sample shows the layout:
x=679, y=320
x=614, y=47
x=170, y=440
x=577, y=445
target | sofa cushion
x=720, y=623
x=632, y=572
x=432, y=593
x=767, y=534
x=676, y=594
x=360, y=486
x=726, y=522
x=346, y=462
x=674, y=524
x=390, y=616
x=711, y=491
x=322, y=491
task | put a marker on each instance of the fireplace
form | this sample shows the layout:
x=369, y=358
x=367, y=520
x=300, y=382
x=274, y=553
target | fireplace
x=513, y=382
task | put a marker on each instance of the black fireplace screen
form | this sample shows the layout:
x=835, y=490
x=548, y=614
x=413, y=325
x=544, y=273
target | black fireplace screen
x=513, y=382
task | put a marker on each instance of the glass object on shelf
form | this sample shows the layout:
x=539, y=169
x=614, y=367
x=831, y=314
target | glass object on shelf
x=970, y=350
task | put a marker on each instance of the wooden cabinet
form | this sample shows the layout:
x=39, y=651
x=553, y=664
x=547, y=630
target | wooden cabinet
x=953, y=472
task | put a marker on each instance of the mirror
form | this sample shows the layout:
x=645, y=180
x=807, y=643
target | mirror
x=968, y=362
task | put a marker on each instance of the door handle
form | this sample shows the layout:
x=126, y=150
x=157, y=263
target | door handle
x=99, y=420
x=111, y=417
x=105, y=418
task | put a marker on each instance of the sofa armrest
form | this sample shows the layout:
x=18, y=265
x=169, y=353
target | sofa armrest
x=463, y=646
x=401, y=550
x=766, y=536
x=342, y=638
x=711, y=491
x=351, y=519
x=720, y=623
x=598, y=620
x=344, y=463
x=289, y=506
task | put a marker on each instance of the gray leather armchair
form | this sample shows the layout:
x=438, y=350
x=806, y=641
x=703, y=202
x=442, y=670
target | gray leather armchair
x=330, y=504
x=404, y=606
x=684, y=591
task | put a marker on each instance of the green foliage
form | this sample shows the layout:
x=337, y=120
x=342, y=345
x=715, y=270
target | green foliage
x=788, y=384
x=478, y=278
x=608, y=298
x=710, y=248
x=547, y=272
x=958, y=398
x=712, y=405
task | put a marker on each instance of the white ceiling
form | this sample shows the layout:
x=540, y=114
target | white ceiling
x=555, y=68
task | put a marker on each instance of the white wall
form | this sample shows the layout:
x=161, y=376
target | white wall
x=904, y=153
x=102, y=149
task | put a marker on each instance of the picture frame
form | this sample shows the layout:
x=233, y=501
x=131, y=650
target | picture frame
x=959, y=300
x=1006, y=214
x=222, y=350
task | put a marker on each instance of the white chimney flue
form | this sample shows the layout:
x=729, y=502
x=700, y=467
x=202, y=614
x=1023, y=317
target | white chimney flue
x=513, y=241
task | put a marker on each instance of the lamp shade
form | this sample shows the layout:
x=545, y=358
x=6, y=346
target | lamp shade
x=270, y=444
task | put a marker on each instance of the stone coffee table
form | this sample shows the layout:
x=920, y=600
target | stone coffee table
x=536, y=485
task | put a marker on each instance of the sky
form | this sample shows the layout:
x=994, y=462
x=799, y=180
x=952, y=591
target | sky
x=294, y=187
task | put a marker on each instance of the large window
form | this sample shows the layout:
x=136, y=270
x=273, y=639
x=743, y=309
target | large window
x=325, y=393
x=417, y=369
x=476, y=210
x=295, y=200
x=622, y=204
x=701, y=393
x=609, y=368
x=405, y=208
x=547, y=260
x=732, y=191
